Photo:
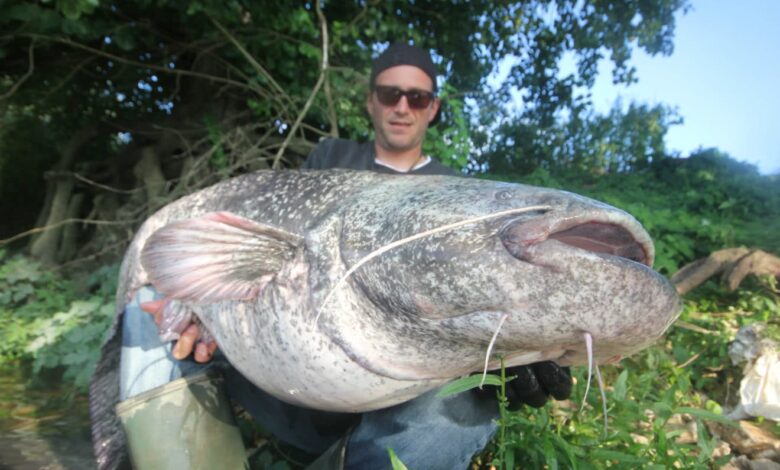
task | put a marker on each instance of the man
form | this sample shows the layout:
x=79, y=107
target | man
x=427, y=432
x=401, y=103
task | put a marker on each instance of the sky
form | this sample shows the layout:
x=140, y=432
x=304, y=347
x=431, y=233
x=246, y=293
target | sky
x=723, y=78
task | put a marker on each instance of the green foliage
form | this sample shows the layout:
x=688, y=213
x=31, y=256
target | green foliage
x=470, y=382
x=71, y=340
x=219, y=160
x=395, y=461
x=147, y=68
x=451, y=145
x=650, y=406
x=585, y=142
x=46, y=319
x=653, y=398
x=691, y=207
x=28, y=295
x=660, y=399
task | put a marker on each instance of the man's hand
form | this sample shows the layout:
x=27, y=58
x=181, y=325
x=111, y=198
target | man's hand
x=188, y=338
x=535, y=383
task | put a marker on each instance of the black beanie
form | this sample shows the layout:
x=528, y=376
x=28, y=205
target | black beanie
x=404, y=54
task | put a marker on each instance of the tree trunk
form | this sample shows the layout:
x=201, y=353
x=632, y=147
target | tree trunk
x=70, y=232
x=149, y=173
x=67, y=156
x=44, y=248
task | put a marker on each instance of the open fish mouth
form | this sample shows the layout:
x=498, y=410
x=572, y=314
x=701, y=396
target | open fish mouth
x=603, y=238
x=615, y=251
x=611, y=234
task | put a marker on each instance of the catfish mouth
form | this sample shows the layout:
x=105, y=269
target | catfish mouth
x=603, y=238
x=606, y=237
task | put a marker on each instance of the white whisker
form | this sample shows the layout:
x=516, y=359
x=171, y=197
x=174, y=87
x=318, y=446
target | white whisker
x=490, y=348
x=589, y=349
x=417, y=236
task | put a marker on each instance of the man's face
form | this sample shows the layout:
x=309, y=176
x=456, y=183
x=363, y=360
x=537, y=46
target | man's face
x=399, y=127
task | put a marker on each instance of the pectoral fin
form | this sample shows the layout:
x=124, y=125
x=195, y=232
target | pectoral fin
x=219, y=256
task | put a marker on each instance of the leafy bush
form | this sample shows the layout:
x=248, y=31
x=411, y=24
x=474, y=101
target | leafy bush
x=46, y=319
x=691, y=207
x=659, y=400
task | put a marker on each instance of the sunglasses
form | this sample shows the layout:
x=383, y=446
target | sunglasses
x=390, y=96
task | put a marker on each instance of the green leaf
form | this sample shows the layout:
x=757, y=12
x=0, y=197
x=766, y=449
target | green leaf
x=395, y=461
x=307, y=50
x=72, y=9
x=124, y=38
x=605, y=454
x=551, y=459
x=22, y=291
x=620, y=389
x=467, y=383
x=663, y=410
x=75, y=27
x=509, y=458
x=567, y=449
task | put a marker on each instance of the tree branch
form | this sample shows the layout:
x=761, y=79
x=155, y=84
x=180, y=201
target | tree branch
x=317, y=86
x=28, y=74
x=260, y=69
x=98, y=254
x=56, y=88
x=733, y=263
x=60, y=224
x=104, y=187
x=123, y=60
x=332, y=117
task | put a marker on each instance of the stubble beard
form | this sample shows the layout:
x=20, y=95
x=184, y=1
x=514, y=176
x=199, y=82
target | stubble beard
x=400, y=143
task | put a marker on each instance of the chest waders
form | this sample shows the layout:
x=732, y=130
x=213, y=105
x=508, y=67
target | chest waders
x=185, y=424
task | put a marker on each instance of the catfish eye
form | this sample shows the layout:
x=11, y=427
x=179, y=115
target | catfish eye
x=503, y=195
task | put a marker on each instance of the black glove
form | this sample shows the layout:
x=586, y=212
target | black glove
x=534, y=384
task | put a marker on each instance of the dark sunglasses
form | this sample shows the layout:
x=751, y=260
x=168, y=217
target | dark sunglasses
x=390, y=96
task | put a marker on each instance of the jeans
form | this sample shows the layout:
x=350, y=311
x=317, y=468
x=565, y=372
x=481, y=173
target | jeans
x=427, y=432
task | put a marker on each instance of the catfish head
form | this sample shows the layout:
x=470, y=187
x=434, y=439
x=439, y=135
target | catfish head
x=553, y=265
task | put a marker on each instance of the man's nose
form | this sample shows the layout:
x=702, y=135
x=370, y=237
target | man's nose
x=402, y=106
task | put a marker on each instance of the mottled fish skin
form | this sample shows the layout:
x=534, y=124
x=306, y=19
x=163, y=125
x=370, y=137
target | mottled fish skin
x=411, y=319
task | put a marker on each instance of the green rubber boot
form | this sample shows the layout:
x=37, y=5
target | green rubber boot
x=185, y=424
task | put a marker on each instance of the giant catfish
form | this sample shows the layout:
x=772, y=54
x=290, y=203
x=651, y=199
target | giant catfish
x=262, y=261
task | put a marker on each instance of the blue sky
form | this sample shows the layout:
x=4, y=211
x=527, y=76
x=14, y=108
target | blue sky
x=723, y=78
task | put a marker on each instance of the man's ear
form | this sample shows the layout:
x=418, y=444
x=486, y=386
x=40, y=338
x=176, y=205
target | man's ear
x=434, y=110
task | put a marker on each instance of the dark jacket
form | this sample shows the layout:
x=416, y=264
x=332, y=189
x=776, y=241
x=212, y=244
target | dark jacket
x=342, y=153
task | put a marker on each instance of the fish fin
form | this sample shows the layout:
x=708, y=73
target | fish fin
x=218, y=256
